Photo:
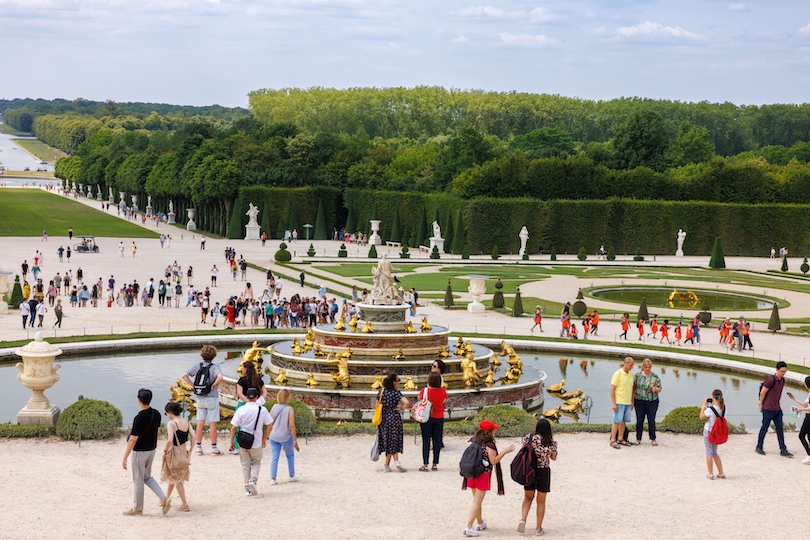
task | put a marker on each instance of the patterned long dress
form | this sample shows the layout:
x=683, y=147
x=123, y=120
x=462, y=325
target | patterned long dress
x=391, y=434
x=178, y=475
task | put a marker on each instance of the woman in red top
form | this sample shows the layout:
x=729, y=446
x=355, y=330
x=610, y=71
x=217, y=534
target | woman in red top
x=653, y=327
x=678, y=333
x=432, y=429
x=724, y=328
x=625, y=325
x=665, y=332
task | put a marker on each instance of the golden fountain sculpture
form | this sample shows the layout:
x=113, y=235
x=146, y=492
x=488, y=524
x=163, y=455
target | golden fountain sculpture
x=309, y=338
x=318, y=352
x=181, y=393
x=558, y=388
x=353, y=323
x=409, y=329
x=399, y=356
x=296, y=347
x=460, y=349
x=311, y=382
x=347, y=354
x=425, y=326
x=490, y=380
x=367, y=329
x=341, y=325
x=443, y=352
x=341, y=376
x=469, y=370
x=688, y=298
x=409, y=384
x=377, y=383
x=282, y=377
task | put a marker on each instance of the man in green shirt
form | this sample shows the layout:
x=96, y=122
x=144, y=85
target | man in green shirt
x=621, y=396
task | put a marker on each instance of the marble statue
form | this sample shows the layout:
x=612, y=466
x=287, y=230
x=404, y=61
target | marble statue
x=524, y=238
x=252, y=213
x=437, y=231
x=171, y=207
x=109, y=190
x=149, y=201
x=383, y=290
x=681, y=238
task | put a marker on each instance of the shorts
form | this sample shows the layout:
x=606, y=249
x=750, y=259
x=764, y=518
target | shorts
x=711, y=449
x=542, y=482
x=480, y=482
x=207, y=409
x=622, y=415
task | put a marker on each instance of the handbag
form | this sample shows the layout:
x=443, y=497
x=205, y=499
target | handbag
x=180, y=456
x=375, y=449
x=245, y=439
x=421, y=411
x=377, y=418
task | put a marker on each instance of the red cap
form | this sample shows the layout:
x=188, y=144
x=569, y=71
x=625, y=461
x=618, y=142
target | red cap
x=487, y=425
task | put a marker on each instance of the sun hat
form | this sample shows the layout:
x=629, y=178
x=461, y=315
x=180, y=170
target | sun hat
x=487, y=425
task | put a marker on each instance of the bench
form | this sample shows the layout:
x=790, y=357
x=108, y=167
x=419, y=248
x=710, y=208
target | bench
x=424, y=249
x=393, y=244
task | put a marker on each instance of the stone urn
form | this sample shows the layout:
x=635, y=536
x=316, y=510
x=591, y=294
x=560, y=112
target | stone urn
x=375, y=239
x=477, y=289
x=38, y=373
x=134, y=203
x=192, y=213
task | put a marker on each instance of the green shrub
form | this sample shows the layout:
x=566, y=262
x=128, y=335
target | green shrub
x=89, y=419
x=553, y=253
x=448, y=296
x=611, y=254
x=465, y=253
x=372, y=252
x=305, y=422
x=16, y=293
x=311, y=251
x=24, y=431
x=435, y=253
x=687, y=420
x=582, y=255
x=804, y=267
x=282, y=255
x=404, y=253
x=525, y=255
x=718, y=259
x=495, y=254
x=517, y=305
x=513, y=422
x=639, y=256
x=784, y=264
x=342, y=251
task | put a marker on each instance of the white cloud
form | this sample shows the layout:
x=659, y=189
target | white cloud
x=491, y=12
x=657, y=29
x=461, y=39
x=541, y=15
x=525, y=40
x=805, y=30
x=737, y=7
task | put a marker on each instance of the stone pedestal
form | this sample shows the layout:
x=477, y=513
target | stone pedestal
x=4, y=289
x=438, y=242
x=98, y=195
x=38, y=373
x=149, y=211
x=477, y=289
x=375, y=239
x=191, y=212
x=171, y=218
x=384, y=318
x=679, y=253
x=111, y=199
x=253, y=232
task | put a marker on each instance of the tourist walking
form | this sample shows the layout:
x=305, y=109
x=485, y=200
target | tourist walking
x=711, y=410
x=433, y=428
x=485, y=436
x=621, y=397
x=545, y=451
x=121, y=248
x=57, y=310
x=390, y=432
x=538, y=318
x=769, y=397
x=206, y=377
x=283, y=435
x=804, y=432
x=134, y=249
x=176, y=454
x=214, y=274
x=625, y=325
x=646, y=387
x=248, y=420
x=141, y=444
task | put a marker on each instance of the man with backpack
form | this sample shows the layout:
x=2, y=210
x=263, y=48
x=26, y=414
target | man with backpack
x=205, y=377
x=770, y=392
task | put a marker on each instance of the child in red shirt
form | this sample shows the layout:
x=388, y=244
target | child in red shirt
x=640, y=326
x=678, y=334
x=625, y=325
x=573, y=333
x=665, y=332
x=653, y=327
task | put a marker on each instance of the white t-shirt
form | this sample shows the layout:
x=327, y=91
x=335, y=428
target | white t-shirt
x=710, y=418
x=245, y=418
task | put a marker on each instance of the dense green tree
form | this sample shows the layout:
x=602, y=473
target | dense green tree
x=544, y=142
x=642, y=141
x=692, y=145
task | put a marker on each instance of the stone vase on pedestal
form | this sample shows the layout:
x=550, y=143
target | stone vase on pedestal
x=191, y=212
x=477, y=289
x=375, y=239
x=38, y=373
x=134, y=203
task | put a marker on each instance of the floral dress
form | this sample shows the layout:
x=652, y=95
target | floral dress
x=179, y=475
x=391, y=434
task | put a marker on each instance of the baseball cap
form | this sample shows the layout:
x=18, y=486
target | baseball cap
x=252, y=393
x=487, y=425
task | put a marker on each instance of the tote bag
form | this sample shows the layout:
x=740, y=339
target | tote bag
x=421, y=411
x=377, y=418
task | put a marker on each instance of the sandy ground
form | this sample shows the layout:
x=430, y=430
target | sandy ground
x=60, y=490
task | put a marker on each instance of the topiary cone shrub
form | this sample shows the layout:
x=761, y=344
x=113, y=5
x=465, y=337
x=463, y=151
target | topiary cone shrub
x=582, y=255
x=342, y=251
x=611, y=254
x=404, y=253
x=639, y=256
x=804, y=267
x=525, y=256
x=311, y=251
x=517, y=307
x=495, y=254
x=89, y=419
x=282, y=255
x=579, y=308
x=372, y=252
x=784, y=264
x=435, y=253
x=448, y=296
x=774, y=323
x=16, y=293
x=497, y=298
x=642, y=309
x=553, y=253
x=718, y=260
x=465, y=253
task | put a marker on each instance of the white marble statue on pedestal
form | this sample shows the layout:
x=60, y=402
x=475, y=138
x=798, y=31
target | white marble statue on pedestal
x=437, y=240
x=681, y=238
x=524, y=238
x=383, y=290
x=252, y=229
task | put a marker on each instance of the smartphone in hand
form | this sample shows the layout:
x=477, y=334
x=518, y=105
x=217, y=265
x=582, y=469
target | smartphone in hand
x=790, y=395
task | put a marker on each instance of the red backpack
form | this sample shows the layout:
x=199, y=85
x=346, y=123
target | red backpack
x=719, y=431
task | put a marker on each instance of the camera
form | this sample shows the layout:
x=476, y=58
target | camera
x=709, y=400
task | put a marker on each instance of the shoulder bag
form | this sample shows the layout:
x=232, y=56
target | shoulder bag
x=377, y=418
x=245, y=439
x=421, y=411
x=180, y=456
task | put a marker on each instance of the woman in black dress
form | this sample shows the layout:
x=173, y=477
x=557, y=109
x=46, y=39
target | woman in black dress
x=390, y=431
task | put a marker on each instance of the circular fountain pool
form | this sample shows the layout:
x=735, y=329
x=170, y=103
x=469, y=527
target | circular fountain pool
x=682, y=298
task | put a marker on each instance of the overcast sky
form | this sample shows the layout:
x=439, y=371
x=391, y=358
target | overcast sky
x=201, y=52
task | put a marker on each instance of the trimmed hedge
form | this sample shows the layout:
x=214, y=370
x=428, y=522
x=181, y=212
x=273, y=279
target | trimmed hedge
x=89, y=419
x=687, y=420
x=23, y=431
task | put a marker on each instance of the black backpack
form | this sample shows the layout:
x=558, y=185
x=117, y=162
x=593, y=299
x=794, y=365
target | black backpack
x=202, y=382
x=472, y=461
x=524, y=466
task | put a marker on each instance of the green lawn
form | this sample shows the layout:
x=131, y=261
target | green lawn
x=5, y=128
x=363, y=269
x=41, y=150
x=25, y=212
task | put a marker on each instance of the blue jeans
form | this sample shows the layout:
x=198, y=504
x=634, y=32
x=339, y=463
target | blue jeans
x=432, y=432
x=289, y=451
x=776, y=417
x=645, y=410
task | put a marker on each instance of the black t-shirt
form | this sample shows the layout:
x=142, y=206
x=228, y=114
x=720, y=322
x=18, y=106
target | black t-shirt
x=136, y=287
x=145, y=427
x=242, y=382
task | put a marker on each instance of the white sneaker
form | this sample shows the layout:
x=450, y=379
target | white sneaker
x=273, y=482
x=233, y=451
x=386, y=469
x=249, y=493
x=471, y=532
x=481, y=526
x=252, y=487
x=399, y=466
x=806, y=460
x=295, y=478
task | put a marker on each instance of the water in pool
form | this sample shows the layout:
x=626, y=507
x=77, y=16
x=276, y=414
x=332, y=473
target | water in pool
x=660, y=298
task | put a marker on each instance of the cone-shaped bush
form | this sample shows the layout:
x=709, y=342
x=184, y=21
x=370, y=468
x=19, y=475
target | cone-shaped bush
x=465, y=253
x=265, y=223
x=351, y=220
x=517, y=307
x=435, y=253
x=639, y=256
x=804, y=267
x=495, y=254
x=280, y=228
x=292, y=223
x=459, y=235
x=320, y=224
x=525, y=255
x=611, y=254
x=642, y=309
x=774, y=324
x=422, y=234
x=311, y=251
x=784, y=264
x=448, y=296
x=372, y=252
x=412, y=240
x=396, y=227
x=16, y=294
x=235, y=230
x=553, y=253
x=405, y=253
x=582, y=255
x=448, y=232
x=718, y=260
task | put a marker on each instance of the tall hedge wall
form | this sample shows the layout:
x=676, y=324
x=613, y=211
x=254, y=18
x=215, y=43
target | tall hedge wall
x=624, y=224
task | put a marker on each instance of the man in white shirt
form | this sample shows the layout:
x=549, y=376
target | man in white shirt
x=250, y=418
